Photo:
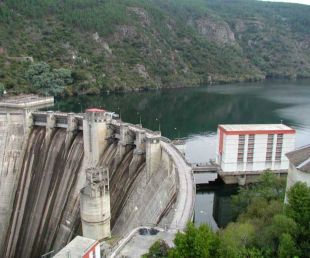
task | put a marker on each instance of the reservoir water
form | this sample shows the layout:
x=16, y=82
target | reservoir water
x=194, y=114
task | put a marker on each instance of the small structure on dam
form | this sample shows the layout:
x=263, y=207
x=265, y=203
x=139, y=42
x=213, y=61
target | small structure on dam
x=80, y=247
x=95, y=204
x=48, y=157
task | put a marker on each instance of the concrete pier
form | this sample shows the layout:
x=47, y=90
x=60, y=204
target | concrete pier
x=124, y=140
x=153, y=153
x=95, y=132
x=138, y=153
x=71, y=128
x=95, y=204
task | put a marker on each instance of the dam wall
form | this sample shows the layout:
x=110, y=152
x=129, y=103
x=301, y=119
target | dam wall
x=13, y=135
x=46, y=206
x=149, y=181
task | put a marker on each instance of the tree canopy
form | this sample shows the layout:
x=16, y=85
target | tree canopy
x=195, y=242
x=2, y=89
x=266, y=227
x=46, y=80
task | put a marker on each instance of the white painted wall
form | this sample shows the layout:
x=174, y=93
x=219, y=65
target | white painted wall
x=260, y=148
x=230, y=153
x=288, y=146
x=97, y=251
x=294, y=175
x=217, y=153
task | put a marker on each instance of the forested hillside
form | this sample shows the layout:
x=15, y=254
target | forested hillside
x=134, y=44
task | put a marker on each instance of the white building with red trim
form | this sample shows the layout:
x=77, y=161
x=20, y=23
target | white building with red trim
x=254, y=147
x=81, y=247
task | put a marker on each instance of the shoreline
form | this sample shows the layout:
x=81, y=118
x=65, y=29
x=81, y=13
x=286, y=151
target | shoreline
x=194, y=86
x=146, y=89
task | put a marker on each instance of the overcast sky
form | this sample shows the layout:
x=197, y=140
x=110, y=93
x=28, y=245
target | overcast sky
x=291, y=1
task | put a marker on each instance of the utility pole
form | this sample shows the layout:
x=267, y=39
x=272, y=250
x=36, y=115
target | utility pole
x=140, y=120
x=157, y=119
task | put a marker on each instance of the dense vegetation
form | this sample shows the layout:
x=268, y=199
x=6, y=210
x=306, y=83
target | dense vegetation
x=266, y=227
x=134, y=44
x=48, y=81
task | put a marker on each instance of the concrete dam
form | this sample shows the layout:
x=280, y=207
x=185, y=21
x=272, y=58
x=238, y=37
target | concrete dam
x=44, y=157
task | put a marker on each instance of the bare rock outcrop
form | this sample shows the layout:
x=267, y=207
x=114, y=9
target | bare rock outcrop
x=141, y=14
x=102, y=42
x=216, y=31
x=125, y=32
x=141, y=70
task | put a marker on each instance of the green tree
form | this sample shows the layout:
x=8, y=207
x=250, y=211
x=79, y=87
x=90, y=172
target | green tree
x=251, y=253
x=269, y=187
x=2, y=89
x=270, y=234
x=195, y=242
x=48, y=81
x=263, y=211
x=298, y=208
x=159, y=249
x=287, y=247
x=235, y=239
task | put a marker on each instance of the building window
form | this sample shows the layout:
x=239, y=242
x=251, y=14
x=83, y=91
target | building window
x=251, y=142
x=241, y=148
x=279, y=147
x=269, y=148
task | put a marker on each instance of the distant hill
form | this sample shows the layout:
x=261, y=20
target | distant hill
x=133, y=44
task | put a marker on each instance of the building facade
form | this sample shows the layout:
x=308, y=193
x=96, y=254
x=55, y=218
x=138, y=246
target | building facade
x=255, y=147
x=299, y=168
x=81, y=247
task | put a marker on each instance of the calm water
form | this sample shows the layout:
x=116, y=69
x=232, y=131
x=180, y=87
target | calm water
x=194, y=114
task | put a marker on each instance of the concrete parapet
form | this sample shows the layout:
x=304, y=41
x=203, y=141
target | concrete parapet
x=95, y=204
x=185, y=188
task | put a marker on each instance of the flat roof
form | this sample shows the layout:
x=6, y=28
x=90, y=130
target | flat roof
x=95, y=110
x=77, y=247
x=256, y=128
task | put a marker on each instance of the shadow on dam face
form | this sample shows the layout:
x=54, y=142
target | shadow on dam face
x=45, y=208
x=43, y=212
